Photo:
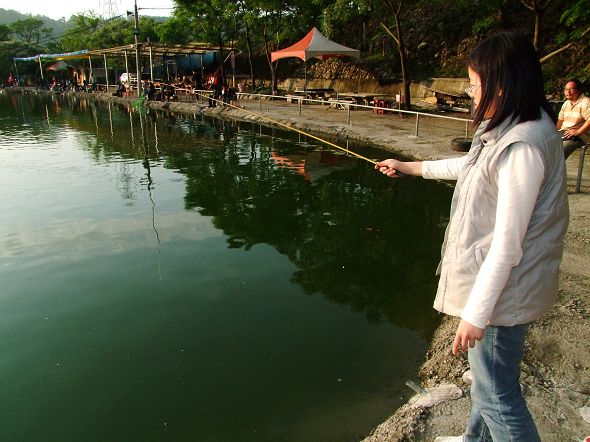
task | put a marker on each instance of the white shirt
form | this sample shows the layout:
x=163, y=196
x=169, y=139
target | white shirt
x=574, y=115
x=520, y=174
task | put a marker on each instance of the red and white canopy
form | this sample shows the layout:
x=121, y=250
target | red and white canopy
x=314, y=44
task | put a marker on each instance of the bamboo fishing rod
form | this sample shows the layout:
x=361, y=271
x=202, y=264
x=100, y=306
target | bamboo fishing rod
x=278, y=123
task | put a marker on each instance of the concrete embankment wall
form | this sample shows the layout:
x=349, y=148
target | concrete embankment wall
x=419, y=90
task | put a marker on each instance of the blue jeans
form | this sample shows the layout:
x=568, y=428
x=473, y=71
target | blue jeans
x=499, y=412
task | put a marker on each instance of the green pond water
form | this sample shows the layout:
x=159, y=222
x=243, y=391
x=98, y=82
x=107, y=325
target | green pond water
x=183, y=278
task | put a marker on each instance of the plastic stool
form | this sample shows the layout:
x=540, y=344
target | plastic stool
x=380, y=103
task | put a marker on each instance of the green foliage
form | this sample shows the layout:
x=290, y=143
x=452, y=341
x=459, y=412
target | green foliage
x=342, y=16
x=483, y=25
x=6, y=64
x=81, y=33
x=179, y=29
x=29, y=30
x=91, y=32
x=10, y=49
x=114, y=33
x=438, y=34
x=576, y=14
x=4, y=32
x=217, y=19
x=58, y=26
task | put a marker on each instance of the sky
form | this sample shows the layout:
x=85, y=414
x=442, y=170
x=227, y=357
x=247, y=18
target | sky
x=57, y=9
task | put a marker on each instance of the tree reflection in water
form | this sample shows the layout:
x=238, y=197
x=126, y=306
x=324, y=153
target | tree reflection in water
x=356, y=237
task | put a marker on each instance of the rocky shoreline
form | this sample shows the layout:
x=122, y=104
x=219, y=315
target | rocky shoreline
x=556, y=365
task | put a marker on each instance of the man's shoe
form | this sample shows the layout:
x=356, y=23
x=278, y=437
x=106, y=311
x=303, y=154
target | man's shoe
x=449, y=439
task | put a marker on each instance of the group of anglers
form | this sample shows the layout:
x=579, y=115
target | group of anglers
x=217, y=91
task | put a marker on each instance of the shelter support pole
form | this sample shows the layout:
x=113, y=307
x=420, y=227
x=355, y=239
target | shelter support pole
x=137, y=49
x=15, y=69
x=466, y=129
x=127, y=67
x=202, y=70
x=106, y=72
x=305, y=77
x=417, y=123
x=41, y=70
x=233, y=68
x=151, y=65
x=348, y=114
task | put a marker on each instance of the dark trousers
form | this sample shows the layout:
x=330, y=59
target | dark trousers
x=570, y=145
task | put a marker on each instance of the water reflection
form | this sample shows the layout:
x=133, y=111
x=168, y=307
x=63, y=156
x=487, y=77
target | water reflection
x=148, y=181
x=195, y=240
x=350, y=233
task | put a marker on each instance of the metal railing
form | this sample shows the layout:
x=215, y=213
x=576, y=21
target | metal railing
x=202, y=95
x=348, y=106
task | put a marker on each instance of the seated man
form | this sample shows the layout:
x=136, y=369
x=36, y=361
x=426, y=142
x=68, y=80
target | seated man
x=574, y=117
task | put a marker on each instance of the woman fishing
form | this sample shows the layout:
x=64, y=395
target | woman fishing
x=504, y=240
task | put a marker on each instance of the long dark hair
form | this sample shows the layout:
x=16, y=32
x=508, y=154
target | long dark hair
x=511, y=80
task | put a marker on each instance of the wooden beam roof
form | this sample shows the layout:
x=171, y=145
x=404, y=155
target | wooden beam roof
x=157, y=49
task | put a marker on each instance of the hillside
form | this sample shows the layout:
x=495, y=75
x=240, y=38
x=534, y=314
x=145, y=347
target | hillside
x=60, y=26
x=440, y=34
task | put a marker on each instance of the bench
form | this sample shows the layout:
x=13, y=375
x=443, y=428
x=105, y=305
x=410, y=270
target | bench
x=335, y=103
x=293, y=98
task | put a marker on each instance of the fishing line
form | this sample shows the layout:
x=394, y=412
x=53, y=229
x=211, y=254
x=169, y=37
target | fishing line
x=278, y=123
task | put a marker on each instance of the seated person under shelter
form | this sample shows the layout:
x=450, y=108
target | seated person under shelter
x=225, y=93
x=169, y=93
x=196, y=80
x=149, y=90
x=216, y=96
x=120, y=90
x=574, y=117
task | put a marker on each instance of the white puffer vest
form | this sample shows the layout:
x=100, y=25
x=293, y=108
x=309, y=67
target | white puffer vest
x=531, y=289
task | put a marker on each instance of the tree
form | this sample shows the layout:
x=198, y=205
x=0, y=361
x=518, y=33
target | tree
x=346, y=22
x=575, y=20
x=4, y=32
x=396, y=8
x=538, y=7
x=29, y=30
x=281, y=23
x=249, y=14
x=181, y=28
x=217, y=20
x=81, y=33
x=565, y=47
x=272, y=24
